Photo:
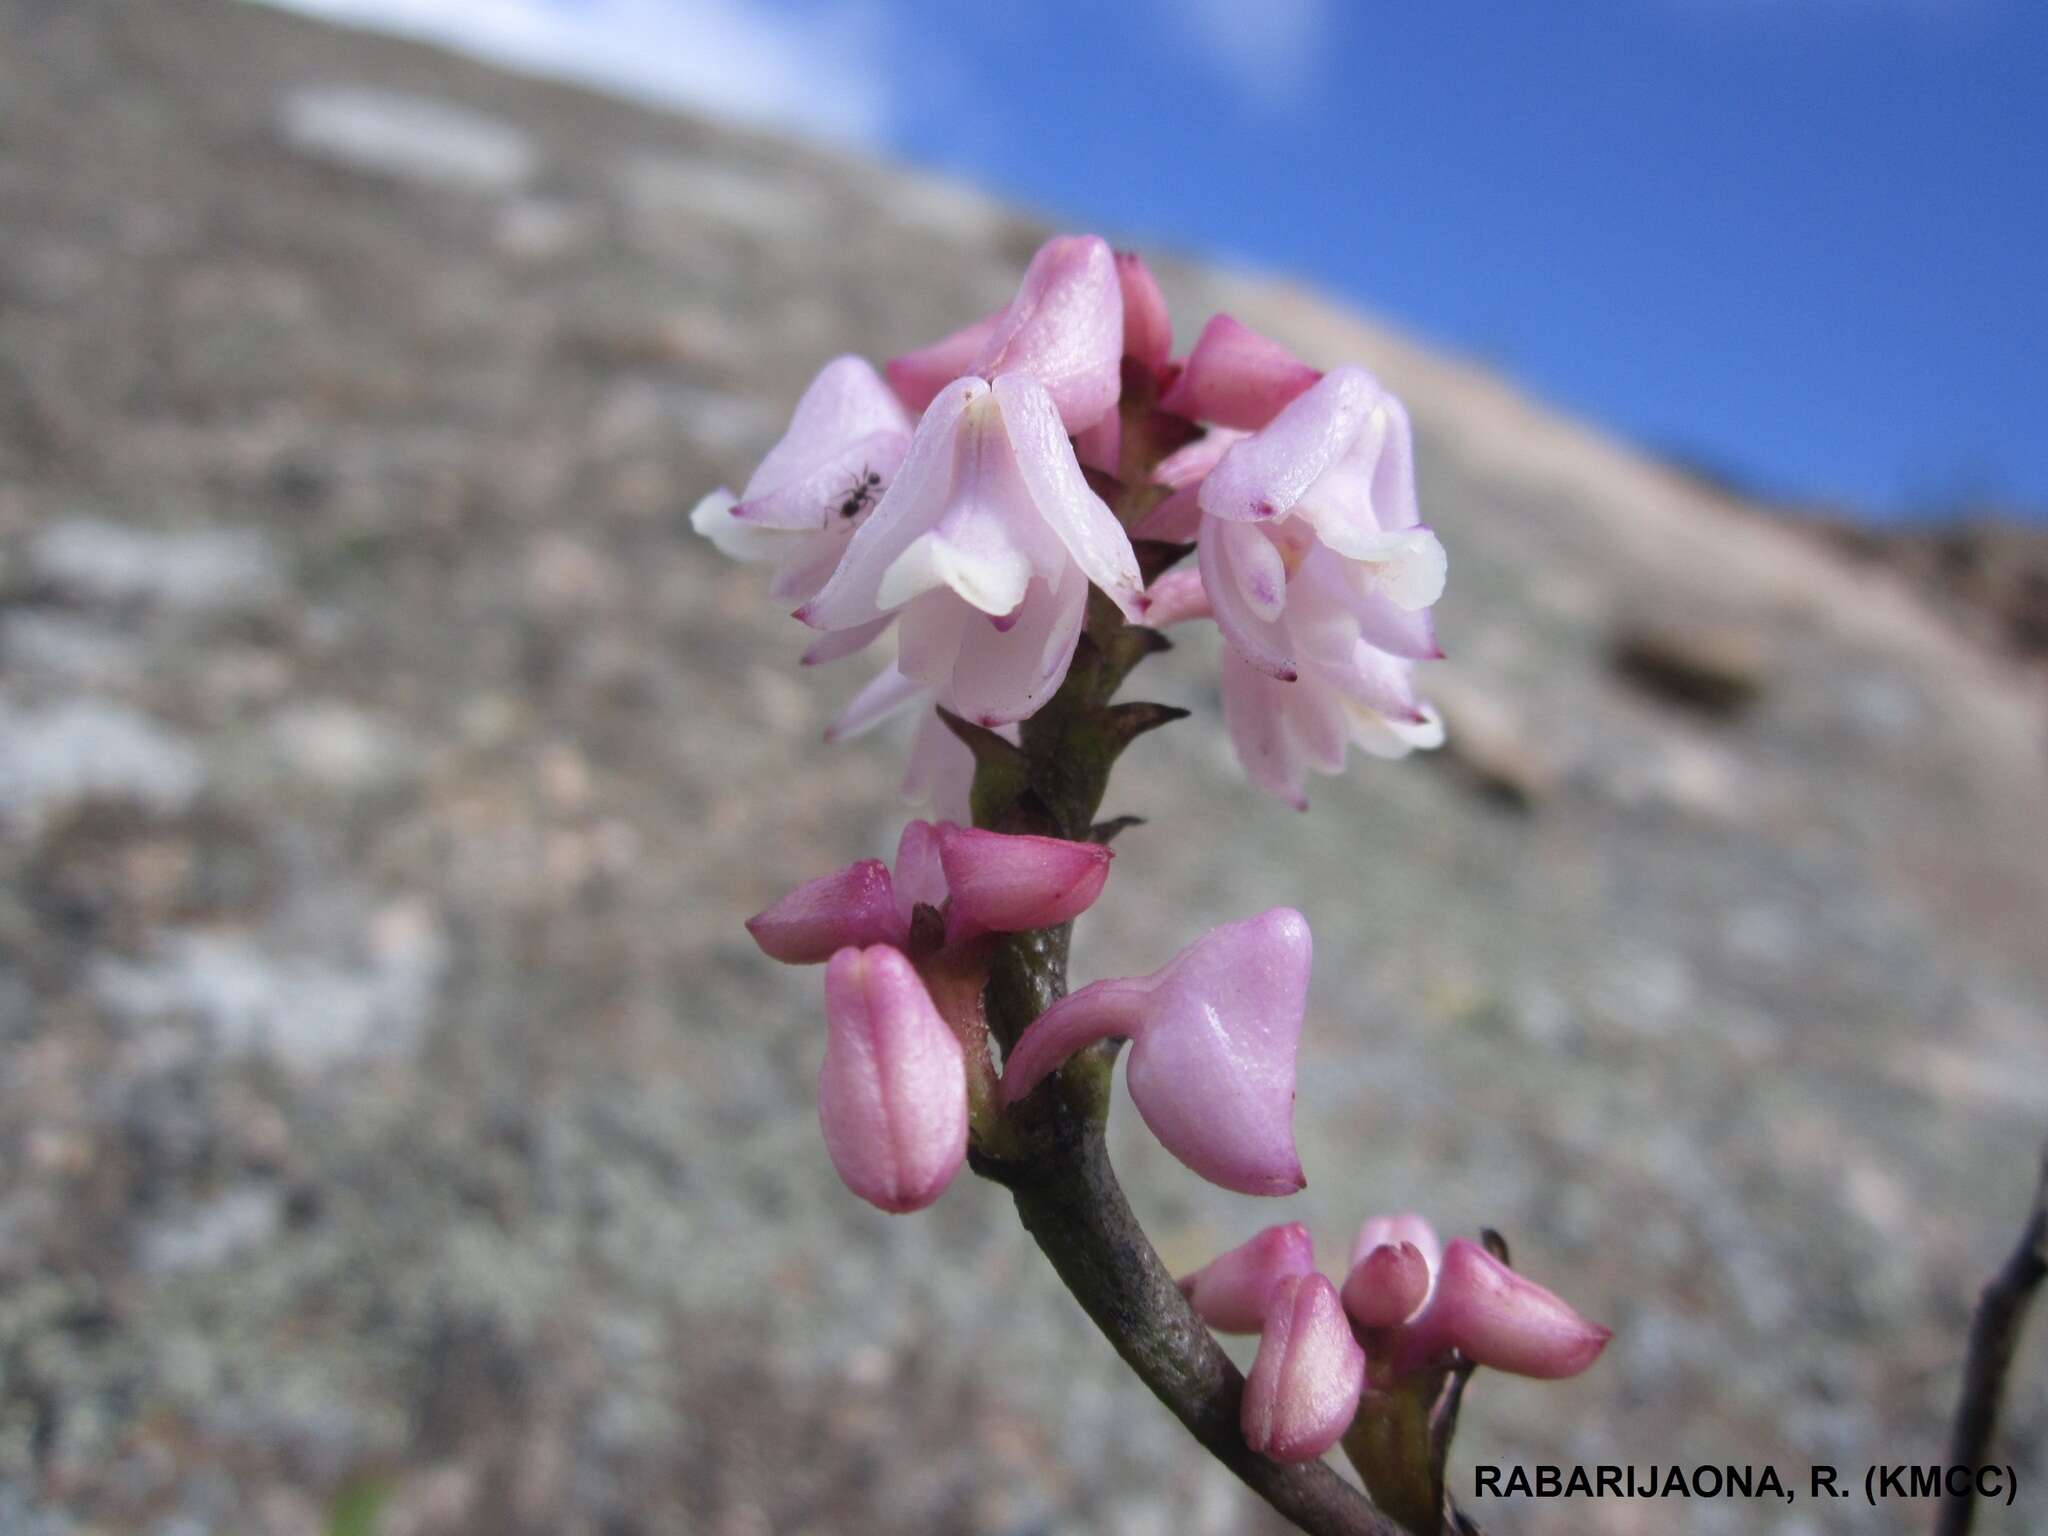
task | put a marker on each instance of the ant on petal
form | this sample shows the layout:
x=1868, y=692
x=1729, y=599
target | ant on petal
x=861, y=493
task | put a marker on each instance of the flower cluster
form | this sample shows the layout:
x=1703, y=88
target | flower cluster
x=1408, y=1306
x=1213, y=1032
x=977, y=532
x=997, y=500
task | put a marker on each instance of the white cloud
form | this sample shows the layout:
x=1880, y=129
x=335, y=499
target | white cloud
x=818, y=68
x=1268, y=50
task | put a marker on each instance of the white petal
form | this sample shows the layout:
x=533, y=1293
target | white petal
x=928, y=638
x=910, y=508
x=1052, y=475
x=888, y=693
x=712, y=517
x=1006, y=675
x=1260, y=641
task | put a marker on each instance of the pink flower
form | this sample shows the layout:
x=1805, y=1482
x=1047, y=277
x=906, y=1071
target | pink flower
x=816, y=485
x=1213, y=1038
x=1311, y=559
x=1303, y=1390
x=1393, y=1270
x=892, y=1095
x=1231, y=1293
x=981, y=881
x=985, y=545
x=1078, y=311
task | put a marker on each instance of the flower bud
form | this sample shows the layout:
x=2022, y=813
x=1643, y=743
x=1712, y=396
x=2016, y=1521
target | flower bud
x=852, y=906
x=1213, y=1039
x=1231, y=1293
x=1303, y=1390
x=1065, y=328
x=1148, y=329
x=892, y=1095
x=1236, y=378
x=1008, y=884
x=1492, y=1315
x=1387, y=1286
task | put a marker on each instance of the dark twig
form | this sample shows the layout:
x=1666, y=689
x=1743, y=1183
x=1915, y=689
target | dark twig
x=1994, y=1333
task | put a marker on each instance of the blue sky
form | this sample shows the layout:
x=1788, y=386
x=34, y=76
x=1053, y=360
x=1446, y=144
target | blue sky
x=1798, y=240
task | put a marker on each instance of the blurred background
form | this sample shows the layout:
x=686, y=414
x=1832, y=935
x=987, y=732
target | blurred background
x=397, y=1132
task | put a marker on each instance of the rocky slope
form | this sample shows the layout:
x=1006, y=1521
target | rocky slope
x=398, y=1133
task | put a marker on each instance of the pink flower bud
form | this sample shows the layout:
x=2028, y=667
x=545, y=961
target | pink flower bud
x=892, y=1095
x=1006, y=884
x=1213, y=1038
x=1303, y=1390
x=1065, y=328
x=1232, y=1292
x=1236, y=378
x=1387, y=1286
x=854, y=905
x=1148, y=329
x=1406, y=1227
x=1492, y=1315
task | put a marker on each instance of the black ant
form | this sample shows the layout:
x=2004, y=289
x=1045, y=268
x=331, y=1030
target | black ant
x=864, y=489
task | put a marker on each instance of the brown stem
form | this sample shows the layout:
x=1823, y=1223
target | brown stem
x=1994, y=1334
x=1049, y=1149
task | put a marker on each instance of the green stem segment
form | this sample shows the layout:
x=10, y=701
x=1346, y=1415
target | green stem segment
x=1048, y=1150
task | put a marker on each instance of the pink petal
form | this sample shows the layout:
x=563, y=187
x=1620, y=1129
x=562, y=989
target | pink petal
x=1263, y=476
x=1101, y=447
x=1499, y=1318
x=1065, y=329
x=1002, y=675
x=888, y=693
x=854, y=905
x=1148, y=329
x=1237, y=378
x=1253, y=629
x=940, y=773
x=917, y=377
x=1007, y=884
x=1304, y=1386
x=1232, y=1292
x=911, y=508
x=1214, y=1034
x=834, y=644
x=1253, y=713
x=845, y=420
x=1191, y=464
x=1174, y=598
x=1387, y=1286
x=928, y=640
x=892, y=1095
x=1052, y=476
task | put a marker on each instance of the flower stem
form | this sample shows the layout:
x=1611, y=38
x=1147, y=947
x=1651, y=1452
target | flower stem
x=1050, y=1152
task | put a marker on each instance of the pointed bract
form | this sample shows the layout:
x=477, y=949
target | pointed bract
x=1231, y=1293
x=892, y=1095
x=1303, y=1390
x=1214, y=1034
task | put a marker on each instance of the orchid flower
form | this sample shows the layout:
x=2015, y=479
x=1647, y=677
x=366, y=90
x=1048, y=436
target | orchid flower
x=1213, y=1037
x=801, y=506
x=985, y=546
